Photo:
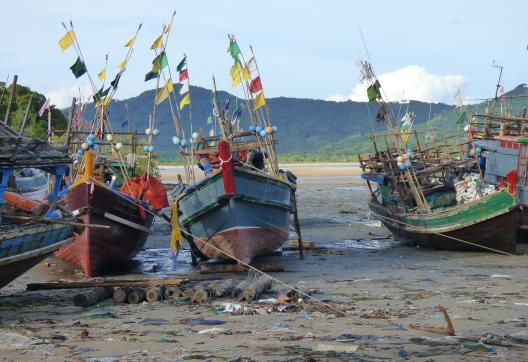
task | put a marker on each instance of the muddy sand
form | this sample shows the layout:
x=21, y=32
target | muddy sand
x=387, y=292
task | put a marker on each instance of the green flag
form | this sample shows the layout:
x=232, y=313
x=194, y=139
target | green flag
x=234, y=50
x=373, y=92
x=115, y=82
x=160, y=62
x=151, y=75
x=181, y=64
x=78, y=68
x=209, y=120
x=462, y=118
x=100, y=94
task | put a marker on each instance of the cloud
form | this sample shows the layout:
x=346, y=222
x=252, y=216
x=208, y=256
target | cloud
x=410, y=83
x=62, y=96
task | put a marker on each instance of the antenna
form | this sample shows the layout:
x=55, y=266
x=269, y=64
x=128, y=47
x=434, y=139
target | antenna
x=500, y=67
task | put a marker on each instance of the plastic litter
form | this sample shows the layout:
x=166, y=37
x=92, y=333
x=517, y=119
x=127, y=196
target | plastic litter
x=215, y=330
x=204, y=322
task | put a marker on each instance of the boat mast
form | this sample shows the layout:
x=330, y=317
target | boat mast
x=498, y=85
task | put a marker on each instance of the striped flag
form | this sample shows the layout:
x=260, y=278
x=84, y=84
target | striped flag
x=45, y=106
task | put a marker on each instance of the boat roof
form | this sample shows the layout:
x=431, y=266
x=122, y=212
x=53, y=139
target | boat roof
x=17, y=150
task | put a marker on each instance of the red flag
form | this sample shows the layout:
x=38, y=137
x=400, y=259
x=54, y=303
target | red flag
x=256, y=85
x=44, y=107
x=183, y=75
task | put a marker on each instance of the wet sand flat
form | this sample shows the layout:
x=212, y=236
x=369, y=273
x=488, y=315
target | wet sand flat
x=385, y=290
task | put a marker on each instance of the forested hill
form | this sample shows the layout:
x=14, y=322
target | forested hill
x=306, y=126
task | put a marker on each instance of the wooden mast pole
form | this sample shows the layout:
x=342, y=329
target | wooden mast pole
x=26, y=114
x=10, y=102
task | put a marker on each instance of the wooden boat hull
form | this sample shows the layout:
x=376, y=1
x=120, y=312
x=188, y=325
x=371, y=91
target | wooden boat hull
x=100, y=250
x=23, y=246
x=255, y=221
x=488, y=223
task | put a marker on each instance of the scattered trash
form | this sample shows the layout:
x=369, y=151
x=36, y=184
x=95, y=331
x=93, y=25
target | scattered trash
x=403, y=352
x=11, y=340
x=203, y=322
x=335, y=348
x=476, y=347
x=58, y=336
x=215, y=330
x=154, y=322
x=231, y=307
x=500, y=276
x=305, y=315
x=99, y=316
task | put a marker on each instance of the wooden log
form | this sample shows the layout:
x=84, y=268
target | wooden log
x=237, y=291
x=222, y=288
x=172, y=292
x=269, y=266
x=154, y=294
x=300, y=287
x=200, y=296
x=136, y=296
x=256, y=288
x=92, y=296
x=188, y=293
x=120, y=295
x=107, y=283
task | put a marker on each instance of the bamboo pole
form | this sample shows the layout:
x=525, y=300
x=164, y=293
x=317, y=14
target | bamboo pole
x=10, y=101
x=26, y=114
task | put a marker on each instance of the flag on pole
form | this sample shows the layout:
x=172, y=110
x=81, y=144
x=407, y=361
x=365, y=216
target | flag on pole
x=78, y=68
x=123, y=64
x=184, y=75
x=165, y=91
x=406, y=125
x=102, y=74
x=115, y=82
x=67, y=40
x=169, y=27
x=373, y=92
x=125, y=123
x=209, y=120
x=106, y=101
x=252, y=64
x=44, y=107
x=158, y=43
x=160, y=62
x=130, y=42
x=260, y=101
x=255, y=86
x=186, y=100
x=245, y=73
x=235, y=74
x=151, y=75
x=185, y=87
x=181, y=64
x=233, y=49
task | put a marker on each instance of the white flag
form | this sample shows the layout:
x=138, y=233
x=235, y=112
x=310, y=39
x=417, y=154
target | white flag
x=44, y=107
x=252, y=64
x=185, y=87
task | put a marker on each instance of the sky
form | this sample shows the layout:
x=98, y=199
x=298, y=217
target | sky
x=423, y=50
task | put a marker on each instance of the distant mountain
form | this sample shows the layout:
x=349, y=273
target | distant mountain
x=306, y=126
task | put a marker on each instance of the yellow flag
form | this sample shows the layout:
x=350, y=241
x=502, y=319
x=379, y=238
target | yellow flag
x=245, y=73
x=67, y=40
x=260, y=101
x=235, y=74
x=130, y=42
x=176, y=235
x=107, y=100
x=169, y=27
x=158, y=43
x=102, y=74
x=164, y=92
x=186, y=100
x=123, y=64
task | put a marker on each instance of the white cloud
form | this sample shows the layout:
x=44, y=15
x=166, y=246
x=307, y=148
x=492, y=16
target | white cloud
x=62, y=96
x=410, y=83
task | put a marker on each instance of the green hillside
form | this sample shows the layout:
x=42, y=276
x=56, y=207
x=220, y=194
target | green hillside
x=309, y=129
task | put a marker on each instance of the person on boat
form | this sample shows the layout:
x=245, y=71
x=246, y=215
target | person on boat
x=205, y=165
x=256, y=159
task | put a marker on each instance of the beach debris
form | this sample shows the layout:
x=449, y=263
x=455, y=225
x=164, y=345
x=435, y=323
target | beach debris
x=305, y=315
x=222, y=288
x=231, y=307
x=95, y=316
x=107, y=282
x=172, y=292
x=199, y=321
x=154, y=322
x=449, y=329
x=476, y=347
x=215, y=330
x=335, y=348
x=265, y=266
x=256, y=288
x=505, y=276
x=90, y=297
x=237, y=291
x=403, y=352
x=11, y=340
x=120, y=295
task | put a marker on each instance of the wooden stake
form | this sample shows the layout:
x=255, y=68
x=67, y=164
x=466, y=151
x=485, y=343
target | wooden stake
x=26, y=114
x=10, y=102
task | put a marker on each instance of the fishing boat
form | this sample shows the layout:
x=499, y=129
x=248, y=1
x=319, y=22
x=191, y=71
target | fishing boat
x=94, y=195
x=432, y=193
x=242, y=207
x=26, y=240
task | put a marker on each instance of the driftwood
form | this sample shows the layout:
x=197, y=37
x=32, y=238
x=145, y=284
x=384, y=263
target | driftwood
x=237, y=291
x=90, y=297
x=107, y=283
x=201, y=292
x=222, y=288
x=172, y=292
x=153, y=294
x=256, y=288
x=120, y=295
x=300, y=291
x=270, y=266
x=449, y=329
x=136, y=296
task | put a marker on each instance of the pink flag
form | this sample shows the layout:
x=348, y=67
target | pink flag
x=44, y=107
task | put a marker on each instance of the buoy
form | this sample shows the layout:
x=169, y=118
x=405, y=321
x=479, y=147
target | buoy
x=399, y=159
x=109, y=137
x=118, y=146
x=262, y=133
x=258, y=129
x=150, y=148
x=90, y=143
x=275, y=128
x=402, y=167
x=85, y=146
x=176, y=140
x=195, y=135
x=148, y=131
x=145, y=148
x=269, y=130
x=252, y=127
x=184, y=143
x=155, y=131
